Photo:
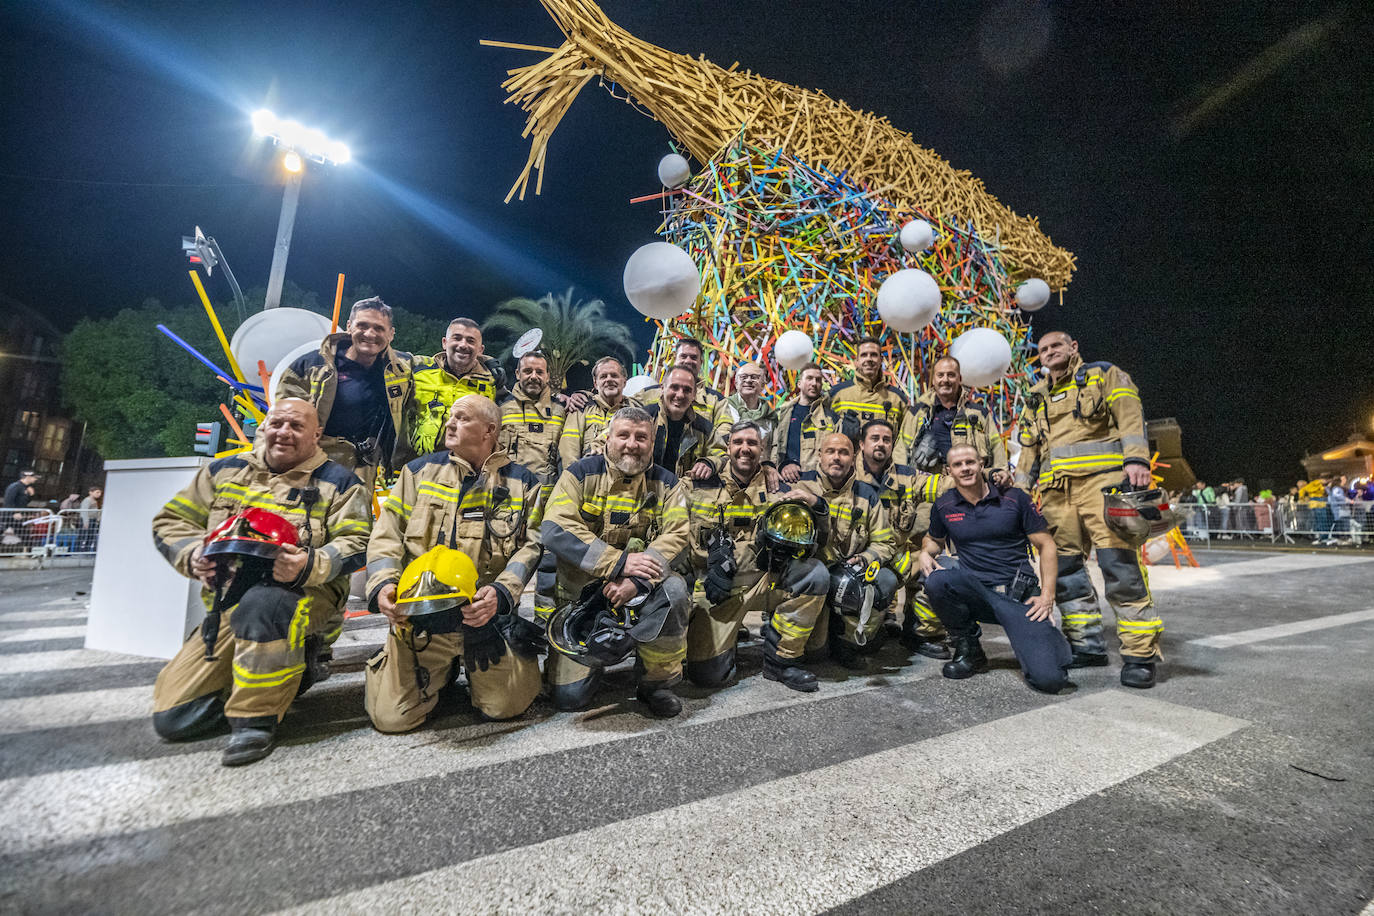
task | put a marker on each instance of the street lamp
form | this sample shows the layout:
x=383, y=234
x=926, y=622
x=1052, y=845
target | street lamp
x=300, y=143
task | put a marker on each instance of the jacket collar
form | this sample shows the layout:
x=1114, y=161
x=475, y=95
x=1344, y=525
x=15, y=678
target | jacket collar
x=257, y=460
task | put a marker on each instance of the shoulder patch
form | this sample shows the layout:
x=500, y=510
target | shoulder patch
x=652, y=409
x=662, y=475
x=592, y=464
x=866, y=490
x=337, y=476
x=508, y=399
x=307, y=362
x=432, y=458
x=835, y=388
x=701, y=423
x=523, y=474
x=905, y=469
x=809, y=475
x=224, y=464
x=897, y=391
x=710, y=483
x=1100, y=364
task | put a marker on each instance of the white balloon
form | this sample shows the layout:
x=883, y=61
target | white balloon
x=984, y=356
x=661, y=280
x=674, y=171
x=271, y=334
x=793, y=350
x=909, y=300
x=1033, y=294
x=635, y=384
x=917, y=235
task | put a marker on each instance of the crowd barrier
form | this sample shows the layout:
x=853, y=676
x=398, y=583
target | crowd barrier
x=1351, y=526
x=42, y=533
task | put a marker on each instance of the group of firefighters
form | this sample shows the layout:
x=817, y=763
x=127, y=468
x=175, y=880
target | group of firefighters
x=649, y=526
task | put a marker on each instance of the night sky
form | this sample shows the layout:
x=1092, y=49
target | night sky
x=1211, y=166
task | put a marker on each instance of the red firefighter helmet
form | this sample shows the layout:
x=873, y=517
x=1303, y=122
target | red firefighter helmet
x=251, y=533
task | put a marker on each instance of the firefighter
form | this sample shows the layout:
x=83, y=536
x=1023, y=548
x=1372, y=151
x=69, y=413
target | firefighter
x=584, y=431
x=531, y=424
x=460, y=367
x=724, y=510
x=361, y=389
x=471, y=498
x=262, y=649
x=747, y=402
x=621, y=520
x=905, y=492
x=685, y=442
x=1081, y=431
x=801, y=422
x=854, y=403
x=708, y=402
x=948, y=414
x=859, y=548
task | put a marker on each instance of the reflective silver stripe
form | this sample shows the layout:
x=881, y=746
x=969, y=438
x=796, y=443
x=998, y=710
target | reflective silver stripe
x=1134, y=442
x=1084, y=449
x=382, y=564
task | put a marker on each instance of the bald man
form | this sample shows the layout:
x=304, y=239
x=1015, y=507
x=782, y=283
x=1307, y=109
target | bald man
x=264, y=650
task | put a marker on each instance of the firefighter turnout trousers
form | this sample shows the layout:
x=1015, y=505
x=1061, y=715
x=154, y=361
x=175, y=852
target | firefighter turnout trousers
x=918, y=618
x=1073, y=508
x=260, y=659
x=401, y=683
x=711, y=633
x=573, y=686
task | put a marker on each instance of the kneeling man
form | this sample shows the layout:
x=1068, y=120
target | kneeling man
x=993, y=531
x=307, y=519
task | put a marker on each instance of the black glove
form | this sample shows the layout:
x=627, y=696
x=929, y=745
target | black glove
x=525, y=637
x=482, y=646
x=720, y=566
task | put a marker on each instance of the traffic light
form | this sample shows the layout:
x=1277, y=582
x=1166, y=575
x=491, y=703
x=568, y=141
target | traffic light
x=199, y=251
x=210, y=438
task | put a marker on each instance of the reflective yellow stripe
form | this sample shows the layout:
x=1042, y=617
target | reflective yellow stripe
x=1122, y=393
x=180, y=505
x=249, y=679
x=295, y=635
x=1082, y=618
x=788, y=628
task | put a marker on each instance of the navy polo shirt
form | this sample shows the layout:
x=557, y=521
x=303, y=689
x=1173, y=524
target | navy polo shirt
x=991, y=536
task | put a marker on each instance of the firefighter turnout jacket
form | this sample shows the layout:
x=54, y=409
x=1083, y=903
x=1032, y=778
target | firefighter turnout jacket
x=859, y=524
x=973, y=424
x=854, y=403
x=436, y=388
x=530, y=431
x=700, y=441
x=903, y=489
x=813, y=421
x=584, y=431
x=314, y=378
x=1089, y=423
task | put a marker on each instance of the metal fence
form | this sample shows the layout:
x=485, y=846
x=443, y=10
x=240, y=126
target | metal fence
x=42, y=533
x=1348, y=526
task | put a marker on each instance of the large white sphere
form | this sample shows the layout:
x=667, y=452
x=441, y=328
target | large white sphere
x=793, y=350
x=310, y=346
x=661, y=280
x=271, y=334
x=909, y=300
x=984, y=356
x=1033, y=294
x=673, y=171
x=636, y=384
x=917, y=235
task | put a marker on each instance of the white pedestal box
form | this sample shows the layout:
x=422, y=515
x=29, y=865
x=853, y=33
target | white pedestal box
x=139, y=604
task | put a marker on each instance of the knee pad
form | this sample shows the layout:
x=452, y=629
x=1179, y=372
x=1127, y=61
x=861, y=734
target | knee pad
x=1074, y=582
x=807, y=577
x=713, y=672
x=887, y=586
x=1121, y=574
x=192, y=719
x=575, y=696
x=264, y=613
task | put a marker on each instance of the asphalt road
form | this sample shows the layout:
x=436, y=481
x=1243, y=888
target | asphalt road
x=1243, y=783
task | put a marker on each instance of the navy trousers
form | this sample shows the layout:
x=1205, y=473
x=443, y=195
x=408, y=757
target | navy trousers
x=961, y=602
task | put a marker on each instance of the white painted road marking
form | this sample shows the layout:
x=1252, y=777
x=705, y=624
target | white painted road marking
x=66, y=660
x=844, y=830
x=1167, y=578
x=1278, y=631
x=49, y=809
x=73, y=615
x=29, y=634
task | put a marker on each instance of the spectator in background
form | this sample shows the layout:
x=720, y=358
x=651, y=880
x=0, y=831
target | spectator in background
x=73, y=501
x=90, y=517
x=1224, y=510
x=1338, y=502
x=1244, y=513
x=1312, y=498
x=18, y=494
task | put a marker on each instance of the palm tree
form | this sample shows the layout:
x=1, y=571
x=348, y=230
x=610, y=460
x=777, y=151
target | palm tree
x=574, y=332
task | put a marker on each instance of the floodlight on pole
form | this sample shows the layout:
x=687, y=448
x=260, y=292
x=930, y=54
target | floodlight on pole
x=298, y=143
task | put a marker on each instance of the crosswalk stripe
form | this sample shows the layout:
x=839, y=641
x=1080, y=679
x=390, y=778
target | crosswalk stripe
x=67, y=807
x=63, y=660
x=79, y=601
x=74, y=615
x=844, y=830
x=1278, y=631
x=1167, y=578
x=31, y=633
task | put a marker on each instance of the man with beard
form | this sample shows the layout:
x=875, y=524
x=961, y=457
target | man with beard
x=904, y=490
x=359, y=387
x=860, y=537
x=868, y=396
x=994, y=530
x=801, y=423
x=621, y=520
x=459, y=368
x=733, y=501
x=945, y=415
x=265, y=644
x=584, y=432
x=1082, y=430
x=747, y=402
x=470, y=497
x=685, y=442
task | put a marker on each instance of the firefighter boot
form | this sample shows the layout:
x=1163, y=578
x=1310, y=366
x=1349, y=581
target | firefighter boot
x=1088, y=660
x=1137, y=672
x=250, y=741
x=968, y=658
x=792, y=676
x=662, y=702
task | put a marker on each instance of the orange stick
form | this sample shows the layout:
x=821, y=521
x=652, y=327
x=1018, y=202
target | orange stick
x=233, y=424
x=333, y=325
x=266, y=382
